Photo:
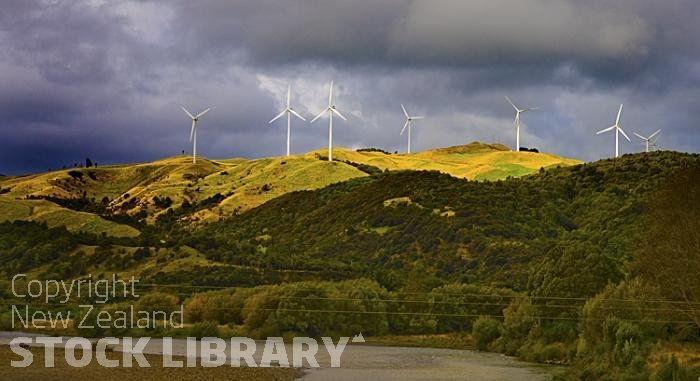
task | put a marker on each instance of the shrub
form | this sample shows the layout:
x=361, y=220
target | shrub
x=671, y=370
x=484, y=331
x=158, y=302
x=205, y=329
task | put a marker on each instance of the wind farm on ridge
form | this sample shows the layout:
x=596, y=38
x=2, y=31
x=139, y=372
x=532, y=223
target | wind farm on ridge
x=330, y=110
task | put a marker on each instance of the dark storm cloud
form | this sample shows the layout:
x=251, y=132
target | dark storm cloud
x=106, y=79
x=273, y=32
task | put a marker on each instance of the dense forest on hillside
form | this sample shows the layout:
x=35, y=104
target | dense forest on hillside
x=565, y=265
x=462, y=231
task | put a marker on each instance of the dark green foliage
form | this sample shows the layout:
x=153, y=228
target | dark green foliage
x=485, y=331
x=370, y=149
x=204, y=329
x=27, y=245
x=141, y=253
x=76, y=175
x=306, y=308
x=162, y=203
x=220, y=276
x=668, y=253
x=671, y=370
x=581, y=216
x=366, y=168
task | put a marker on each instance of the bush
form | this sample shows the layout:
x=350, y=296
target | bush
x=158, y=302
x=671, y=371
x=205, y=329
x=484, y=331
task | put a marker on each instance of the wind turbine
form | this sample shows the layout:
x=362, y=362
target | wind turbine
x=193, y=131
x=289, y=111
x=518, y=111
x=648, y=141
x=409, y=119
x=653, y=145
x=618, y=130
x=331, y=110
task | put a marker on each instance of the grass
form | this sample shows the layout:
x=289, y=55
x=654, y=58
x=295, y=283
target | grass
x=688, y=354
x=54, y=215
x=244, y=184
x=473, y=161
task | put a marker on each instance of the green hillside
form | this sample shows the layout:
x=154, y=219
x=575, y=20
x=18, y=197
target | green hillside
x=227, y=187
x=566, y=264
x=466, y=231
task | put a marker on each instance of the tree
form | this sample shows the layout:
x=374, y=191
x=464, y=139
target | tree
x=88, y=162
x=668, y=253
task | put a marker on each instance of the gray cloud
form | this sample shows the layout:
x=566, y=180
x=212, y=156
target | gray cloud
x=107, y=79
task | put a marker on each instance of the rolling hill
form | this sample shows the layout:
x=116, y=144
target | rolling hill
x=226, y=187
x=545, y=266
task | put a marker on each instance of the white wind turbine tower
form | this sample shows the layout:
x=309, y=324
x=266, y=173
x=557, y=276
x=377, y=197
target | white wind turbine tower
x=618, y=130
x=518, y=111
x=647, y=141
x=193, y=131
x=407, y=125
x=331, y=110
x=289, y=111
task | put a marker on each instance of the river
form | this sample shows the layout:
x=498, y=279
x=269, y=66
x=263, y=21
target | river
x=383, y=363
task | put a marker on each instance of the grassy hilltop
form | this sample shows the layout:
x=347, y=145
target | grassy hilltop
x=230, y=186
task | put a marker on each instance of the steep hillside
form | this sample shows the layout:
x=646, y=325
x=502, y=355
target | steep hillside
x=212, y=190
x=463, y=230
x=147, y=190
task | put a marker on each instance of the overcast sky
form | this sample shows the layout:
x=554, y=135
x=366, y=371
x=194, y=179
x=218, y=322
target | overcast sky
x=106, y=79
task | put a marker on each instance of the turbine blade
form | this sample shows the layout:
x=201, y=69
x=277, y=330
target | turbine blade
x=512, y=104
x=318, y=116
x=640, y=136
x=528, y=109
x=623, y=133
x=417, y=117
x=330, y=95
x=296, y=114
x=655, y=133
x=277, y=117
x=404, y=126
x=404, y=111
x=606, y=130
x=339, y=114
x=203, y=112
x=187, y=112
x=619, y=112
x=289, y=94
x=194, y=125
